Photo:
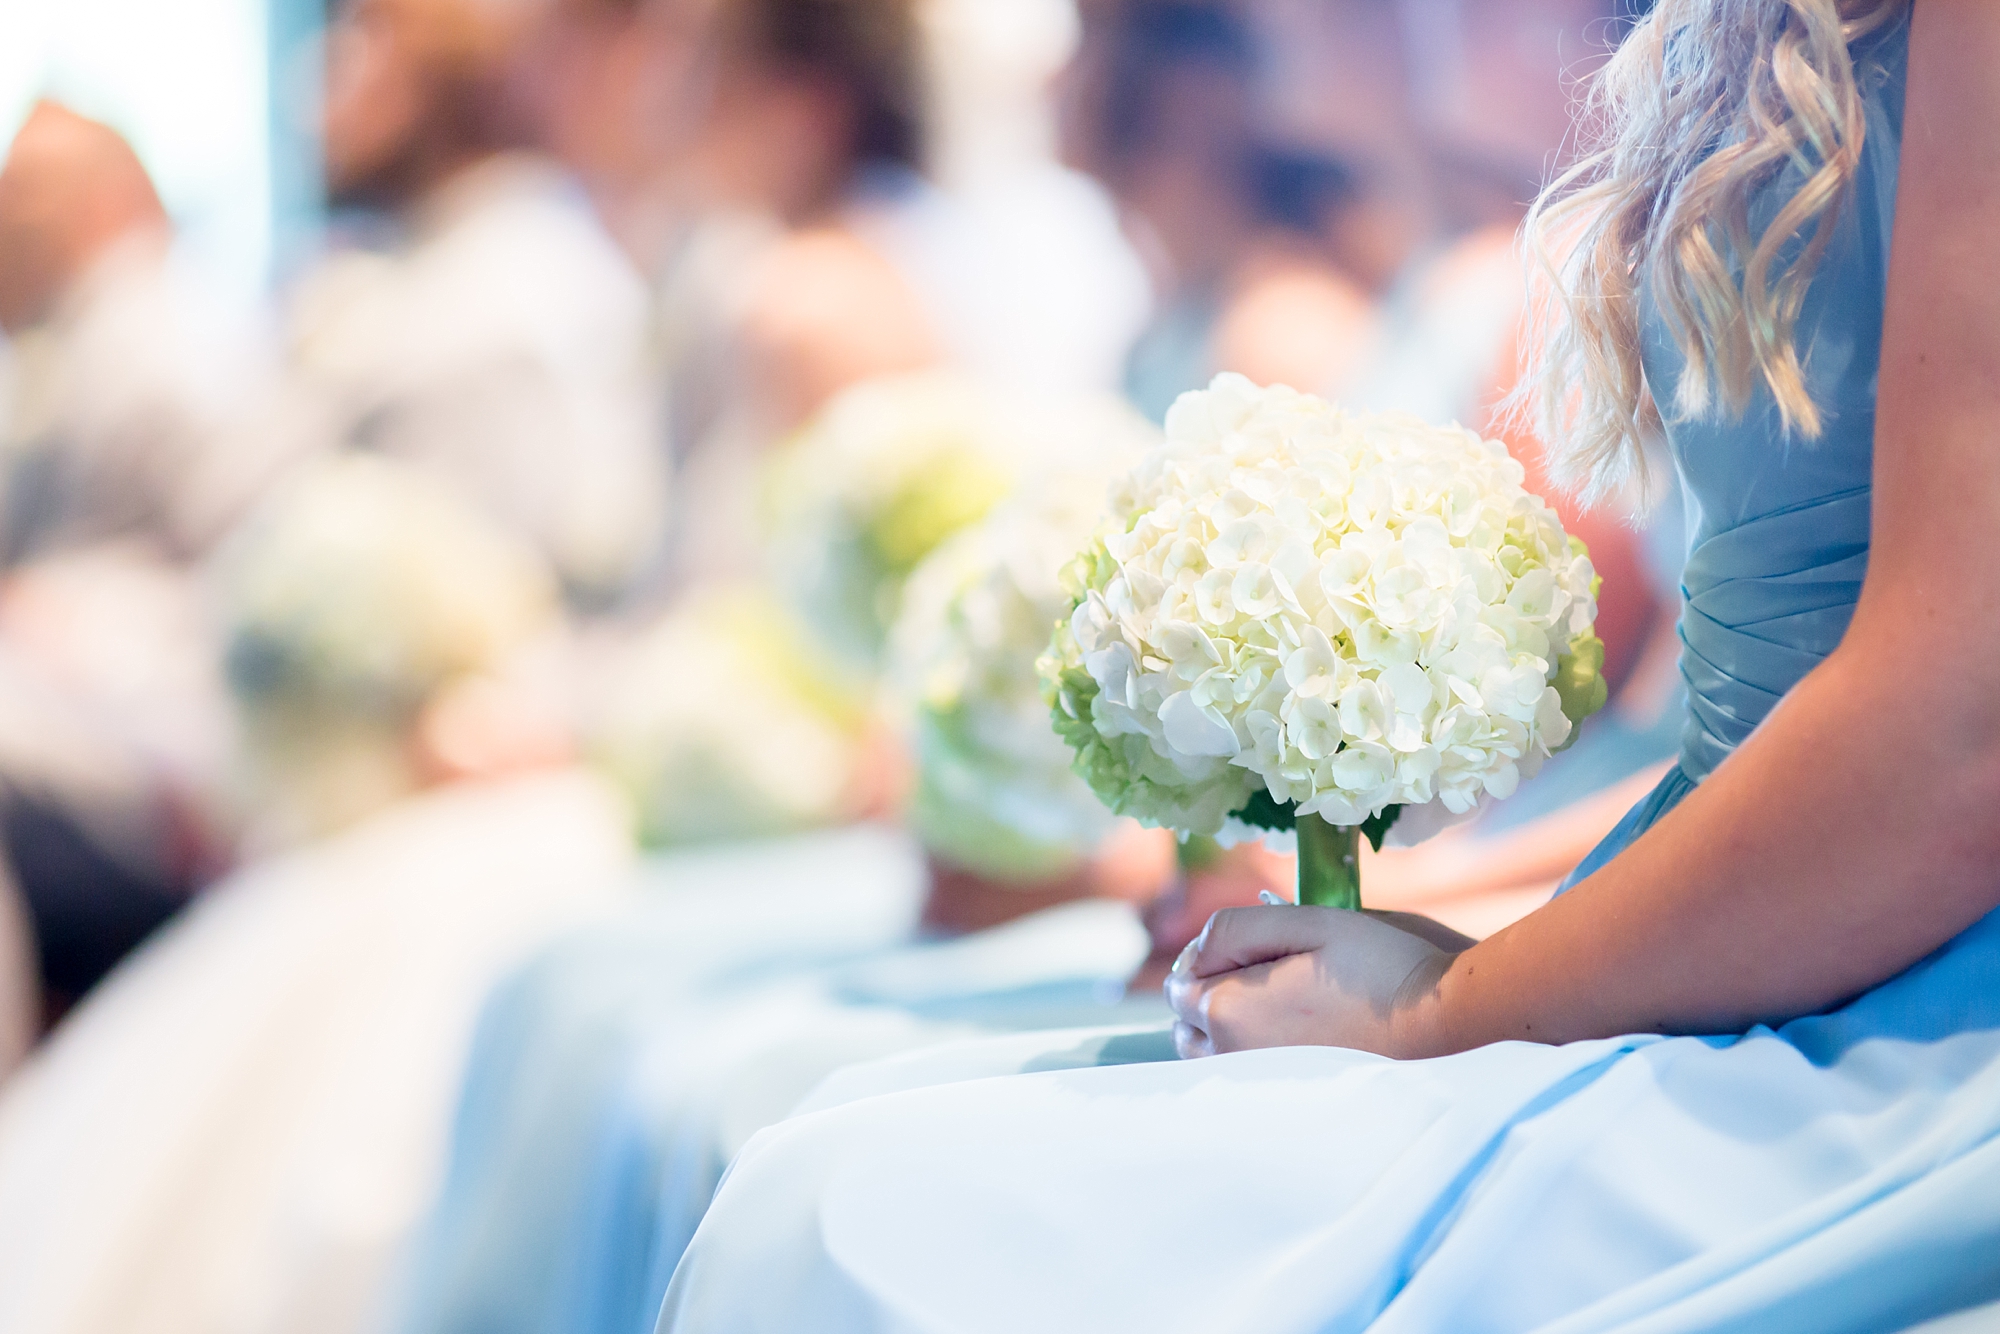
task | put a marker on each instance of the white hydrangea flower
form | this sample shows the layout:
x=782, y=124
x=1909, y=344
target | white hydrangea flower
x=1347, y=613
x=717, y=726
x=995, y=791
x=882, y=474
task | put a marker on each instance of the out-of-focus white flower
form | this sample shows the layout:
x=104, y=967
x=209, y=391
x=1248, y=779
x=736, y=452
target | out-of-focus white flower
x=355, y=598
x=718, y=725
x=995, y=791
x=883, y=474
x=364, y=585
x=1292, y=610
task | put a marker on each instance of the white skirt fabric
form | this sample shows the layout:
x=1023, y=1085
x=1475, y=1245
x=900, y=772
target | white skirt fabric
x=236, y=1132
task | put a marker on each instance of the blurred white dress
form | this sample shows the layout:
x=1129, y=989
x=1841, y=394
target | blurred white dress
x=123, y=413
x=236, y=1132
x=1024, y=273
x=505, y=347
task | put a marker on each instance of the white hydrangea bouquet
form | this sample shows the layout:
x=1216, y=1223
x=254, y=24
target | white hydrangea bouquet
x=870, y=486
x=1300, y=618
x=995, y=791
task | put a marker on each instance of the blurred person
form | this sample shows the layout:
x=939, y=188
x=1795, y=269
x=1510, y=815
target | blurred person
x=124, y=454
x=1033, y=282
x=793, y=121
x=499, y=339
x=602, y=83
x=1312, y=48
x=127, y=379
x=870, y=188
x=115, y=745
x=1238, y=285
x=1297, y=317
x=238, y=1128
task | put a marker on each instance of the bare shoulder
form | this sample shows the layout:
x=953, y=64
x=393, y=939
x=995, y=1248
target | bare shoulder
x=1937, y=475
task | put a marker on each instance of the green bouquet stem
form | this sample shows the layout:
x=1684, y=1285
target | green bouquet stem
x=1196, y=852
x=1329, y=863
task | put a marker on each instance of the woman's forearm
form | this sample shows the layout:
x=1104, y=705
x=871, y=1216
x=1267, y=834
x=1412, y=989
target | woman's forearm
x=1459, y=865
x=1854, y=832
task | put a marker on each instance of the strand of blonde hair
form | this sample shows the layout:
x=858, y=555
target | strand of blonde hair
x=1703, y=106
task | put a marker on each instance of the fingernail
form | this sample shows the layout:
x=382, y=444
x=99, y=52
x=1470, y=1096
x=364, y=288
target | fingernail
x=1267, y=897
x=1186, y=959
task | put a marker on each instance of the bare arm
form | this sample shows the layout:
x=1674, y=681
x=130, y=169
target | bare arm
x=1856, y=830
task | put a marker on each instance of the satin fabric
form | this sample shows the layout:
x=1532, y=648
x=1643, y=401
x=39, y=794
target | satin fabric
x=1838, y=1173
x=554, y=1040
x=742, y=1059
x=616, y=1075
x=240, y=1129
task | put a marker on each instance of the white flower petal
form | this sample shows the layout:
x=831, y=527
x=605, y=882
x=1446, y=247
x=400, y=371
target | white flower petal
x=1193, y=730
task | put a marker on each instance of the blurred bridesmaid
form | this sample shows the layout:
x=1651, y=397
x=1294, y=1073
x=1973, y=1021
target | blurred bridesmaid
x=481, y=324
x=1163, y=108
x=124, y=456
x=239, y=1127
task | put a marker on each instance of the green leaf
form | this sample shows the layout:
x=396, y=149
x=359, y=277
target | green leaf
x=1197, y=851
x=1580, y=683
x=1262, y=812
x=1376, y=827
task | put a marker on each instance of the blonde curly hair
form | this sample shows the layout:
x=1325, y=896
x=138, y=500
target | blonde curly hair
x=1704, y=104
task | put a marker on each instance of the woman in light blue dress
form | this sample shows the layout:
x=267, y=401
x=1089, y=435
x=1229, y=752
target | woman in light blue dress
x=1814, y=888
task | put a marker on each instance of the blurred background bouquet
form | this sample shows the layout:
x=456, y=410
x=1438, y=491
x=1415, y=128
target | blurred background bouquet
x=870, y=486
x=994, y=790
x=719, y=724
x=365, y=603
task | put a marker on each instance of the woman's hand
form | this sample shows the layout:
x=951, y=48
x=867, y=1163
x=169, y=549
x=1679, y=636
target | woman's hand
x=1291, y=976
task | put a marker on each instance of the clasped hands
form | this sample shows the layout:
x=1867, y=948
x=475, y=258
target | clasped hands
x=1286, y=975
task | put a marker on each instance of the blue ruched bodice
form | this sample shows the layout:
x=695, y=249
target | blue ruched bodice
x=1777, y=524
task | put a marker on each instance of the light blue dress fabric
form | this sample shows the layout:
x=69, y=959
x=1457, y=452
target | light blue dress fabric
x=615, y=1075
x=743, y=1057
x=1838, y=1173
x=1975, y=1320
x=555, y=1039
